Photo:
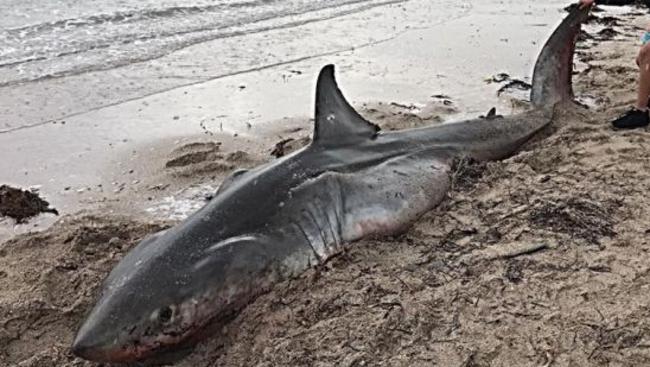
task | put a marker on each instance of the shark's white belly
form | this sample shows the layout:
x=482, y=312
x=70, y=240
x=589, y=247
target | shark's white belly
x=388, y=198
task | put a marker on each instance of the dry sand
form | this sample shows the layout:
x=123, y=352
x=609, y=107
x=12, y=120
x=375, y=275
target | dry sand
x=538, y=260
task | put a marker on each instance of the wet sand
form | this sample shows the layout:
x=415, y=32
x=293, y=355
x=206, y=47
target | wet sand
x=459, y=289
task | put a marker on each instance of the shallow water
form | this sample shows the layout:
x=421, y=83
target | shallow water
x=66, y=37
x=64, y=58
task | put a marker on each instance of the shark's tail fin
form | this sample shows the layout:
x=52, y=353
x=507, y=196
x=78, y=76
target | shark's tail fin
x=554, y=67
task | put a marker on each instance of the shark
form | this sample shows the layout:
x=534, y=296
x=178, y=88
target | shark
x=275, y=221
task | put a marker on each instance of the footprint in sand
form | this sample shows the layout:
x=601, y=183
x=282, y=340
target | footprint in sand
x=205, y=158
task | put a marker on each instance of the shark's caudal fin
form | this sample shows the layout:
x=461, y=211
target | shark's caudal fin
x=337, y=123
x=554, y=67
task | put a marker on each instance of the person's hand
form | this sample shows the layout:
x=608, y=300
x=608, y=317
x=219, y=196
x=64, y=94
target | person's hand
x=585, y=3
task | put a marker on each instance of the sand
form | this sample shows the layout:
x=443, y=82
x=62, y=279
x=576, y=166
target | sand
x=538, y=260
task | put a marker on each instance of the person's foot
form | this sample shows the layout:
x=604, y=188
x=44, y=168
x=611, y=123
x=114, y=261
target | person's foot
x=632, y=119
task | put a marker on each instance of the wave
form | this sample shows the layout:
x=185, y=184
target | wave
x=105, y=41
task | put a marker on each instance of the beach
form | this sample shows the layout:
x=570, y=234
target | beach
x=537, y=260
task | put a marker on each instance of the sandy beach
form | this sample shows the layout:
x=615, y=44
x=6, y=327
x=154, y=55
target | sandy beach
x=459, y=289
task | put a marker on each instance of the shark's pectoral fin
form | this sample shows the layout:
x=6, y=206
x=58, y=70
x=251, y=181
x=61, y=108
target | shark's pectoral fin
x=243, y=255
x=336, y=122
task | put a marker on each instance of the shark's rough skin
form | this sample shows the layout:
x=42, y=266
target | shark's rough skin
x=277, y=220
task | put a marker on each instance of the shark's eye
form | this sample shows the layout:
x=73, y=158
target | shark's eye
x=165, y=314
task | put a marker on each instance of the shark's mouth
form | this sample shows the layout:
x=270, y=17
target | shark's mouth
x=197, y=319
x=164, y=346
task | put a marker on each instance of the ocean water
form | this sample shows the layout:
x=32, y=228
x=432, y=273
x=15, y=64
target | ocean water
x=64, y=58
x=45, y=39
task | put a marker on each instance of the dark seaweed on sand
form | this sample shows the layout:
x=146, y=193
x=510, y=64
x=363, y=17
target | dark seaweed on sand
x=22, y=204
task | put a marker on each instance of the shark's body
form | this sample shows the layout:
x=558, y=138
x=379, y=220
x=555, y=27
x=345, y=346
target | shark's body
x=277, y=220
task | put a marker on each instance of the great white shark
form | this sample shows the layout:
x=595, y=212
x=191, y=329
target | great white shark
x=277, y=220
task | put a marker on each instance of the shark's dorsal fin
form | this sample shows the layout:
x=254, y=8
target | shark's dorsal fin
x=336, y=122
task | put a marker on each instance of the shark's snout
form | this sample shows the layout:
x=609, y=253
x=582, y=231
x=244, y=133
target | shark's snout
x=97, y=341
x=88, y=345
